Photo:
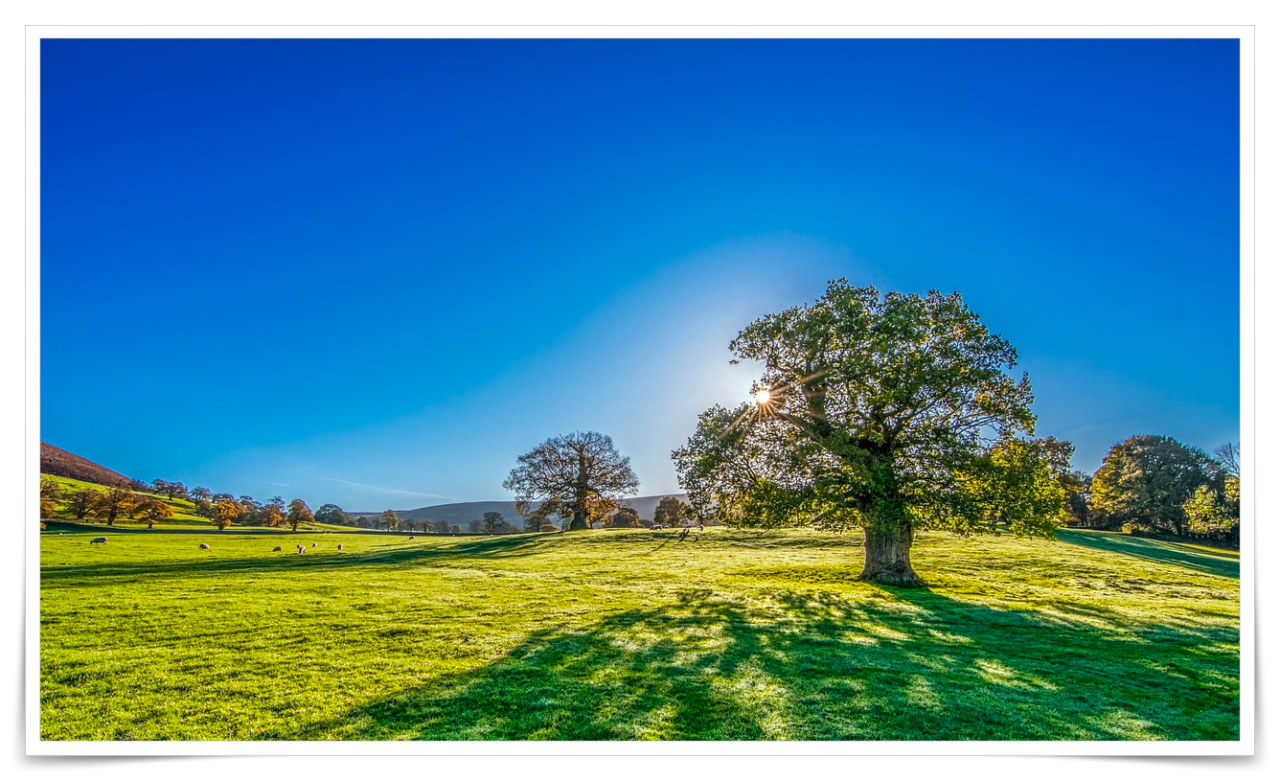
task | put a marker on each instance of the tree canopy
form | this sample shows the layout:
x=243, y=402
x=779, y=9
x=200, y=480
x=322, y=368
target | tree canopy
x=876, y=412
x=579, y=476
x=669, y=512
x=299, y=513
x=1145, y=481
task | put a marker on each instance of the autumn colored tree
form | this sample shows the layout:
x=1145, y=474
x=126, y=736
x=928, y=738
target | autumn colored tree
x=272, y=514
x=579, y=476
x=152, y=511
x=111, y=504
x=299, y=513
x=225, y=513
x=870, y=413
x=50, y=492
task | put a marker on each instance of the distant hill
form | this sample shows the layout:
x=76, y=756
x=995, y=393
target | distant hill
x=56, y=461
x=461, y=513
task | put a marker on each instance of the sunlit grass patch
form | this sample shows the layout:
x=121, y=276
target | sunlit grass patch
x=628, y=636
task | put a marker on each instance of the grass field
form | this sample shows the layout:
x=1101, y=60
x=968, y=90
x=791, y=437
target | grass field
x=632, y=635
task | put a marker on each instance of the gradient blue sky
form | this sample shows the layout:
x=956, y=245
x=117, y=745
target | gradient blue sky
x=374, y=272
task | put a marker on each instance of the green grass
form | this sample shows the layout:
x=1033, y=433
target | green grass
x=632, y=635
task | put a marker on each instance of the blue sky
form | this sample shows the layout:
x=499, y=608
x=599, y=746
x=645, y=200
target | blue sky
x=375, y=272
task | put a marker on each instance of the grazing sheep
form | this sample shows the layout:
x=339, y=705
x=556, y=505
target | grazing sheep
x=339, y=546
x=301, y=549
x=97, y=540
x=277, y=549
x=411, y=536
x=313, y=544
x=205, y=546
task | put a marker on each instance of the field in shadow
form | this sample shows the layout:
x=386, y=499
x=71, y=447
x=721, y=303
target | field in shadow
x=877, y=665
x=1225, y=564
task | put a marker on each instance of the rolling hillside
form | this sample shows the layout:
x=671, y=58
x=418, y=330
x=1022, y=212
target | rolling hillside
x=58, y=462
x=461, y=513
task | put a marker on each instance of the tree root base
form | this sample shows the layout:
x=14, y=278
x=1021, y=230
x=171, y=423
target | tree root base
x=897, y=580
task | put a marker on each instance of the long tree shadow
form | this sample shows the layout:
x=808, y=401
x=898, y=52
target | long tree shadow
x=479, y=548
x=813, y=665
x=1226, y=564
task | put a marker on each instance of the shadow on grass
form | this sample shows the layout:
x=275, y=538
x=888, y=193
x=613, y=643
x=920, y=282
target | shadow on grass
x=880, y=665
x=326, y=558
x=1226, y=564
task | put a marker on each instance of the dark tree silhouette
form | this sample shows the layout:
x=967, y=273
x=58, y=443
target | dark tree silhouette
x=579, y=476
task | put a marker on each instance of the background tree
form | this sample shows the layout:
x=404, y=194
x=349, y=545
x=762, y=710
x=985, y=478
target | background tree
x=389, y=520
x=1144, y=482
x=152, y=511
x=225, y=513
x=299, y=513
x=870, y=413
x=331, y=513
x=442, y=527
x=625, y=518
x=576, y=476
x=80, y=503
x=1076, y=486
x=669, y=512
x=493, y=523
x=1228, y=458
x=475, y=526
x=50, y=492
x=1215, y=511
x=273, y=513
x=532, y=523
x=111, y=504
x=250, y=512
x=548, y=527
x=1019, y=483
x=199, y=493
x=455, y=529
x=170, y=490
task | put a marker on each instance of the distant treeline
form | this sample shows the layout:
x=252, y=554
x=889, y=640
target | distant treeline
x=671, y=511
x=1156, y=486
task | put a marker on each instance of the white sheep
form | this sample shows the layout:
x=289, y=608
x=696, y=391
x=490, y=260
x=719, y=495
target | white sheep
x=339, y=546
x=205, y=546
x=97, y=540
x=313, y=544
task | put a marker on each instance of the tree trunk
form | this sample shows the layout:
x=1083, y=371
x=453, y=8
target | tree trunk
x=888, y=557
x=579, y=521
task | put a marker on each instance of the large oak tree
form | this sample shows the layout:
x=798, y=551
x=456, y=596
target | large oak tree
x=891, y=414
x=579, y=476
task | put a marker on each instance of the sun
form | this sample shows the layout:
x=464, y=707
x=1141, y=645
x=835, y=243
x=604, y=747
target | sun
x=763, y=396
